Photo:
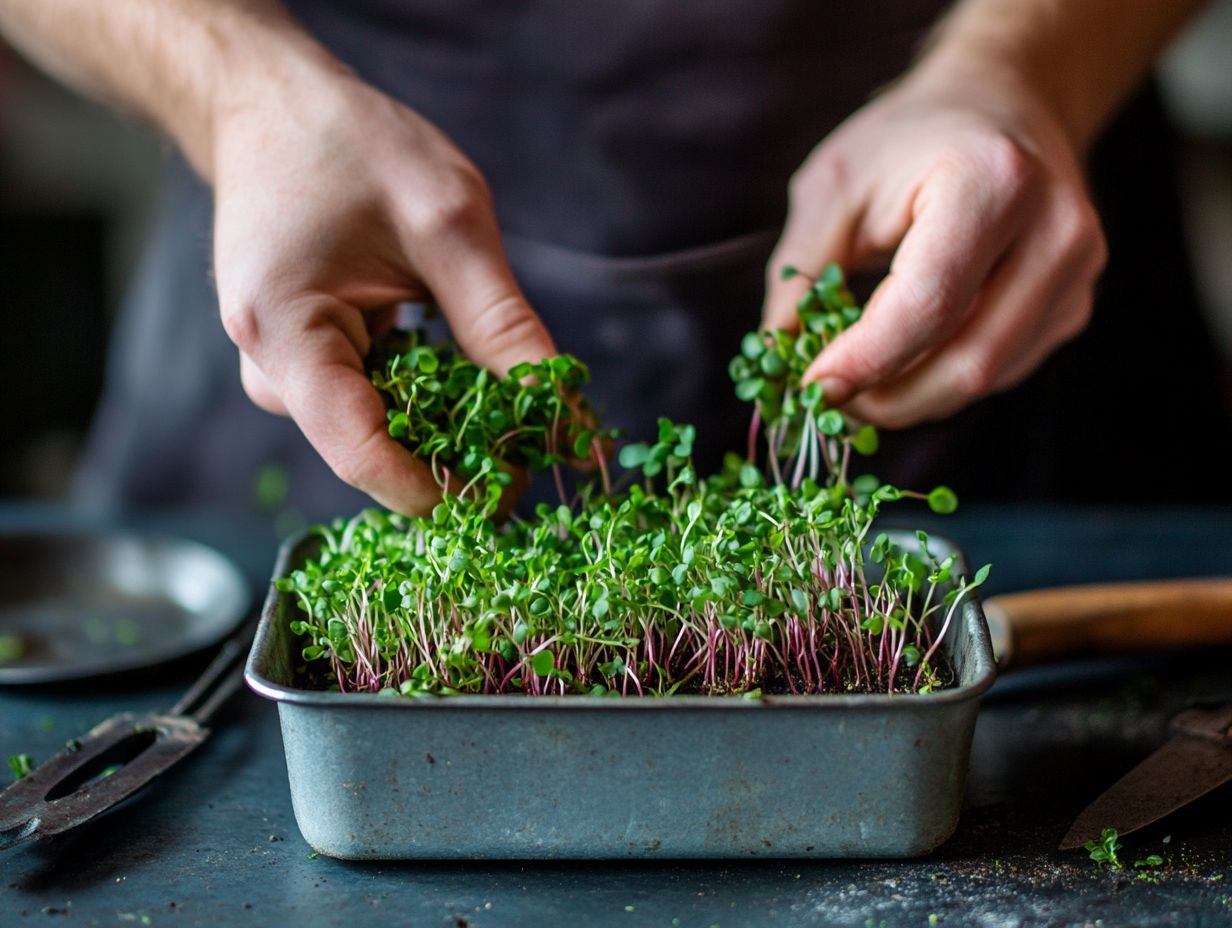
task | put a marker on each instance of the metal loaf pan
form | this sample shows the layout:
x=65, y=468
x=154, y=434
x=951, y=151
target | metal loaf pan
x=376, y=777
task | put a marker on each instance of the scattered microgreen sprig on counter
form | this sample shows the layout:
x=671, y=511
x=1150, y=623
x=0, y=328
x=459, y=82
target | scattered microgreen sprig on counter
x=20, y=765
x=767, y=577
x=1106, y=850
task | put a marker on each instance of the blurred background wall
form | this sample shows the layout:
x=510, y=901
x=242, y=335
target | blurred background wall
x=77, y=183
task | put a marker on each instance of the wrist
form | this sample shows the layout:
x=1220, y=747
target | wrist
x=1004, y=84
x=1079, y=60
x=255, y=73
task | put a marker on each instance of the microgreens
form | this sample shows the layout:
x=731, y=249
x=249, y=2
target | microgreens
x=767, y=576
x=473, y=427
x=12, y=648
x=1104, y=849
x=20, y=765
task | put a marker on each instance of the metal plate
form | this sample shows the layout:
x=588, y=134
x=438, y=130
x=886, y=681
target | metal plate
x=81, y=604
x=376, y=777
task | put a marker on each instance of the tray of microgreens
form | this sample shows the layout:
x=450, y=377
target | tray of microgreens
x=646, y=588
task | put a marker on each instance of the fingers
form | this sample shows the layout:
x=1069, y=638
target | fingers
x=259, y=388
x=304, y=359
x=302, y=355
x=779, y=310
x=964, y=217
x=309, y=257
x=512, y=493
x=456, y=248
x=1039, y=298
x=818, y=231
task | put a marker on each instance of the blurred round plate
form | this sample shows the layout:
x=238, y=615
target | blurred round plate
x=85, y=604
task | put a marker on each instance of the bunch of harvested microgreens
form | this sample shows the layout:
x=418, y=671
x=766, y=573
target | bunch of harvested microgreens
x=471, y=426
x=762, y=578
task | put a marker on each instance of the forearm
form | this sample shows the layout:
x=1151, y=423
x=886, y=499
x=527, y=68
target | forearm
x=1079, y=57
x=182, y=64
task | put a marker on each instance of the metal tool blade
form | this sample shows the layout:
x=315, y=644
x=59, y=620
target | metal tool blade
x=1196, y=760
x=67, y=790
x=117, y=757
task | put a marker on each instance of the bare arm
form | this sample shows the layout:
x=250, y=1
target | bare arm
x=966, y=175
x=181, y=64
x=1081, y=57
x=333, y=203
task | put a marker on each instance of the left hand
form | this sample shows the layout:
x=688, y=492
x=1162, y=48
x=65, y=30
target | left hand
x=975, y=190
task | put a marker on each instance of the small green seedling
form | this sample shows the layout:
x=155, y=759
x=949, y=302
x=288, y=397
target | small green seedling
x=21, y=765
x=12, y=649
x=1104, y=849
x=271, y=486
x=1148, y=868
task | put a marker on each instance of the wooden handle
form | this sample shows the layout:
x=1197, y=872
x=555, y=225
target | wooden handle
x=1110, y=618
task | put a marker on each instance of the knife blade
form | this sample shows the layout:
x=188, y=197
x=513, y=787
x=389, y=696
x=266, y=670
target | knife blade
x=1194, y=761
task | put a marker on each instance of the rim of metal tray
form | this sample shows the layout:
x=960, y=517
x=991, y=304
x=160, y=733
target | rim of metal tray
x=972, y=618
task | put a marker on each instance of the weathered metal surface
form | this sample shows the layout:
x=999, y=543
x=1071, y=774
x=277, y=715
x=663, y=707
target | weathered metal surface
x=1196, y=760
x=74, y=786
x=116, y=758
x=591, y=777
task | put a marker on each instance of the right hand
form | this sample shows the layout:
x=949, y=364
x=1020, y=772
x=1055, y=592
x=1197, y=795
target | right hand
x=333, y=203
x=976, y=189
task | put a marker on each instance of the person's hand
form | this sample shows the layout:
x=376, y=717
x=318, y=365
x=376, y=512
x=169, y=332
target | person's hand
x=333, y=204
x=974, y=190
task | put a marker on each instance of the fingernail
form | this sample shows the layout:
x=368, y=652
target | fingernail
x=835, y=391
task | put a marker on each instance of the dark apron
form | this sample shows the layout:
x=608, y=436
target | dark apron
x=639, y=155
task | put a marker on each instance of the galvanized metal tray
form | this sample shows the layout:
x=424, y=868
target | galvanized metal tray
x=376, y=777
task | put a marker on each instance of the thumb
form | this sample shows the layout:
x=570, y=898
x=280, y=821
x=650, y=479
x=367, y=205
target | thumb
x=819, y=229
x=469, y=276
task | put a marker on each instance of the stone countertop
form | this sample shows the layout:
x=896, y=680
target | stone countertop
x=215, y=842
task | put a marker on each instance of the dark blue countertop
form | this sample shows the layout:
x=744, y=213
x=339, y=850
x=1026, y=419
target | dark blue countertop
x=215, y=842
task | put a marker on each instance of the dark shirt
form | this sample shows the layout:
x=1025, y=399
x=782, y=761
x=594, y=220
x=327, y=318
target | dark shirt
x=639, y=153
